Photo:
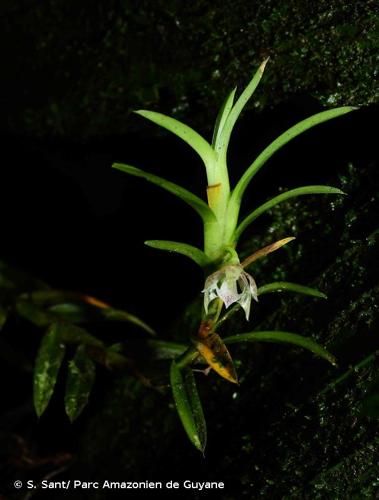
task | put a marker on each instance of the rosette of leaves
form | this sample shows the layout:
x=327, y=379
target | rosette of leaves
x=223, y=228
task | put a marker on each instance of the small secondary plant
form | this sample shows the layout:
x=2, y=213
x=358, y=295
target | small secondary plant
x=227, y=283
x=67, y=347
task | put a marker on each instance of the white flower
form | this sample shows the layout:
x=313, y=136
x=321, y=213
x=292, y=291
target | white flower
x=231, y=284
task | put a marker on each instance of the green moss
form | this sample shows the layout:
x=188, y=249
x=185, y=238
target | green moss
x=85, y=78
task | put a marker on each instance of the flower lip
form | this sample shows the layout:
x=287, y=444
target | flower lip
x=224, y=284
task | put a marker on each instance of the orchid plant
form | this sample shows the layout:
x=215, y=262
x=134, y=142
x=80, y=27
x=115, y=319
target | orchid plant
x=227, y=284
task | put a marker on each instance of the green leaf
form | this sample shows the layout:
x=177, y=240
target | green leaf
x=112, y=314
x=221, y=118
x=163, y=349
x=80, y=380
x=190, y=251
x=48, y=362
x=75, y=313
x=77, y=308
x=194, y=201
x=188, y=405
x=285, y=286
x=238, y=107
x=300, y=191
x=195, y=140
x=283, y=139
x=82, y=313
x=283, y=337
x=33, y=313
x=73, y=334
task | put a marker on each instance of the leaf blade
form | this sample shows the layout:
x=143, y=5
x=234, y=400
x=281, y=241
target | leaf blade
x=188, y=405
x=195, y=254
x=292, y=193
x=48, y=362
x=194, y=201
x=80, y=379
x=186, y=133
x=280, y=286
x=283, y=337
x=164, y=349
x=238, y=107
x=73, y=306
x=279, y=142
x=221, y=118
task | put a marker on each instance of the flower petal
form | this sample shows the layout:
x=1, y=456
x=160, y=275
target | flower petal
x=228, y=292
x=253, y=287
x=245, y=302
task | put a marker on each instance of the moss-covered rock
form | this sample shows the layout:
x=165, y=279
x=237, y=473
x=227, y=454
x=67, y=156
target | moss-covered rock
x=77, y=69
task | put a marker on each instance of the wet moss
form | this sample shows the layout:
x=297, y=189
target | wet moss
x=84, y=78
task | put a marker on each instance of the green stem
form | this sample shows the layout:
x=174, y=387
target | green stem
x=218, y=193
x=187, y=358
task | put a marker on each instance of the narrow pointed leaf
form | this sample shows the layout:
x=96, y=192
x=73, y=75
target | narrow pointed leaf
x=238, y=107
x=188, y=405
x=75, y=313
x=262, y=252
x=292, y=193
x=34, y=313
x=83, y=313
x=283, y=139
x=73, y=306
x=221, y=118
x=195, y=140
x=73, y=334
x=112, y=314
x=194, y=201
x=163, y=349
x=48, y=363
x=190, y=251
x=80, y=380
x=283, y=337
x=285, y=286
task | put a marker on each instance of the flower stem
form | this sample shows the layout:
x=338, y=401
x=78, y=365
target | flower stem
x=188, y=357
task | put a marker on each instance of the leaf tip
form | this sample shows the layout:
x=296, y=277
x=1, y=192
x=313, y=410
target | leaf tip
x=39, y=412
x=334, y=190
x=263, y=65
